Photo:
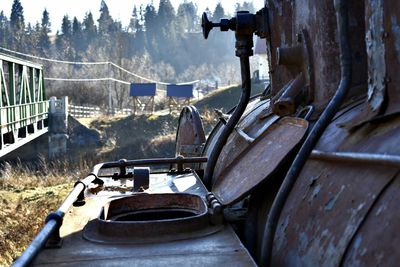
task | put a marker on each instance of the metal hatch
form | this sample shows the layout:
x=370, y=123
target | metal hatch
x=258, y=161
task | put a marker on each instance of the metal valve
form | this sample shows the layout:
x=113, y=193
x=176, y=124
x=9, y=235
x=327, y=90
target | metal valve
x=244, y=23
x=224, y=24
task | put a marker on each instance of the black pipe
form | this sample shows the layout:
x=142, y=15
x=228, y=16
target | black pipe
x=314, y=135
x=155, y=161
x=54, y=221
x=233, y=120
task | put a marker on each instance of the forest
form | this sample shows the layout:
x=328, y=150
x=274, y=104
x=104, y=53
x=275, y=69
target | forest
x=159, y=43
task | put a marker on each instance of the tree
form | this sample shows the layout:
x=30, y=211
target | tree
x=63, y=39
x=4, y=29
x=134, y=25
x=45, y=28
x=105, y=20
x=187, y=16
x=76, y=38
x=17, y=25
x=89, y=30
x=218, y=13
x=166, y=14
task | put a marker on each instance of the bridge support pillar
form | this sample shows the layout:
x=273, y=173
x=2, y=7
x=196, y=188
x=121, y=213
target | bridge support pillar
x=58, y=126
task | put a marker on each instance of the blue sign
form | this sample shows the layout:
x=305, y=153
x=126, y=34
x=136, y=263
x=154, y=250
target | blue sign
x=180, y=90
x=143, y=89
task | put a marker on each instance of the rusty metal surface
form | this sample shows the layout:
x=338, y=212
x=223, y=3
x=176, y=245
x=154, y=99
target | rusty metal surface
x=332, y=200
x=258, y=161
x=289, y=21
x=213, y=250
x=280, y=21
x=148, y=218
x=392, y=57
x=190, y=135
x=159, y=183
x=210, y=249
x=382, y=39
x=377, y=239
x=253, y=106
x=253, y=122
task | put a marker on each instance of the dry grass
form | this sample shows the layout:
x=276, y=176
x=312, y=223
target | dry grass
x=27, y=195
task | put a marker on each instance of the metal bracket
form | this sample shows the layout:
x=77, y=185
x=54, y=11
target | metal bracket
x=55, y=240
x=214, y=209
x=141, y=179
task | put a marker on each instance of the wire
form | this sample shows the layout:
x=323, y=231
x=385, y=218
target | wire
x=87, y=80
x=94, y=63
x=55, y=60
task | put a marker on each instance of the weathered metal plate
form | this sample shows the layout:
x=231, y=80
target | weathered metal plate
x=331, y=201
x=254, y=122
x=190, y=133
x=378, y=248
x=258, y=161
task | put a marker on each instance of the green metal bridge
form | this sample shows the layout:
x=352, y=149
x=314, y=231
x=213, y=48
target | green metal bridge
x=23, y=104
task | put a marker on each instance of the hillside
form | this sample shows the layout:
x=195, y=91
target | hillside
x=154, y=136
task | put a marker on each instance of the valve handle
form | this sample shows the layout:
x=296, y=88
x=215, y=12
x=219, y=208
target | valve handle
x=206, y=25
x=224, y=24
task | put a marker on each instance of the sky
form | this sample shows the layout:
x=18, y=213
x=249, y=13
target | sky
x=120, y=9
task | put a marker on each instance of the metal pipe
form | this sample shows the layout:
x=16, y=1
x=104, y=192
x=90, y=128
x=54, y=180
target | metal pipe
x=54, y=222
x=288, y=102
x=356, y=157
x=314, y=135
x=155, y=161
x=233, y=120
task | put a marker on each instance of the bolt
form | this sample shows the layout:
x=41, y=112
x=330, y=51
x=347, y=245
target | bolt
x=385, y=35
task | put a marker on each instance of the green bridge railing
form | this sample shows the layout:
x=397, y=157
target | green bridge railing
x=23, y=104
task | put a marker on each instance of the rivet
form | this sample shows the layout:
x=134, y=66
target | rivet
x=385, y=35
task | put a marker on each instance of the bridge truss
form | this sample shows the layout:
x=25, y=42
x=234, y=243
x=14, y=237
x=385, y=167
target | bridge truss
x=23, y=104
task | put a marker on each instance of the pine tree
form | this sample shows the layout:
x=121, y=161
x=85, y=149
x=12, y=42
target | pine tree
x=63, y=39
x=187, y=17
x=166, y=14
x=105, y=21
x=134, y=21
x=218, y=13
x=45, y=29
x=76, y=38
x=89, y=30
x=17, y=26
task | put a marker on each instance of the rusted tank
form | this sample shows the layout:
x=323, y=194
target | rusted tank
x=305, y=174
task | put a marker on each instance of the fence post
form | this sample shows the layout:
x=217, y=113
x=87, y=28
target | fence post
x=58, y=126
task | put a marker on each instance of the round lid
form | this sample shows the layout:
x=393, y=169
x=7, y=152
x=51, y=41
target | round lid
x=259, y=160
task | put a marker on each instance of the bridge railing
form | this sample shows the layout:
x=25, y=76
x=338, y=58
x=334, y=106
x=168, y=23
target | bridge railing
x=18, y=116
x=92, y=111
x=83, y=111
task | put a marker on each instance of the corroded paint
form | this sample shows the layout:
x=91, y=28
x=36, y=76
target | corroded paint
x=377, y=239
x=376, y=56
x=332, y=201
